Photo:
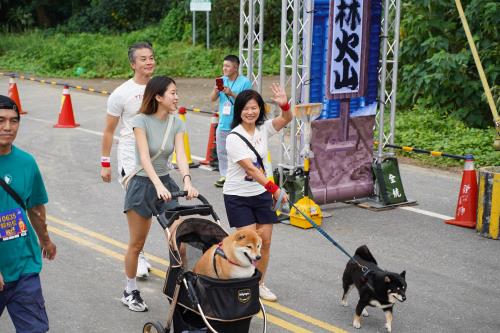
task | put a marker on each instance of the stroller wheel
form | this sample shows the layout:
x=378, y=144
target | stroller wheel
x=155, y=327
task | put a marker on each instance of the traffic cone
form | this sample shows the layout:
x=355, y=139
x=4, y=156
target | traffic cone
x=214, y=120
x=187, y=150
x=466, y=212
x=14, y=94
x=66, y=118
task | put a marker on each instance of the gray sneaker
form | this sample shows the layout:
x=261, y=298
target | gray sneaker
x=220, y=182
x=134, y=301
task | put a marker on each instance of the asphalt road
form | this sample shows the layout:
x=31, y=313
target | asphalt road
x=451, y=271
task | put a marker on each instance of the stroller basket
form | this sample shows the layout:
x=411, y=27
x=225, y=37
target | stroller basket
x=221, y=300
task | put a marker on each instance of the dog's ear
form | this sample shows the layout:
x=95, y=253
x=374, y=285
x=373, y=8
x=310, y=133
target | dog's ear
x=259, y=232
x=403, y=274
x=387, y=279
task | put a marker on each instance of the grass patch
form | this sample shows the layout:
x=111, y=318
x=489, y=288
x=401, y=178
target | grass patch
x=105, y=56
x=428, y=129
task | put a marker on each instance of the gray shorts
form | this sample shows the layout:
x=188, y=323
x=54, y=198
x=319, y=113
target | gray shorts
x=141, y=193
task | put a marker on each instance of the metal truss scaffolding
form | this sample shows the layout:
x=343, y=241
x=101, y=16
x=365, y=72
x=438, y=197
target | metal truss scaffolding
x=296, y=42
x=252, y=40
x=296, y=39
x=388, y=73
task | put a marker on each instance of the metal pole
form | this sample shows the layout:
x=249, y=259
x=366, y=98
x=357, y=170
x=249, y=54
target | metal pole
x=208, y=30
x=194, y=28
x=242, y=35
x=283, y=79
x=395, y=70
x=382, y=81
x=251, y=29
x=295, y=51
x=307, y=40
x=261, y=45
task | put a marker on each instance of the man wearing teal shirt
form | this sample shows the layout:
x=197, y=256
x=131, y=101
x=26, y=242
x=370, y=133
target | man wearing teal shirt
x=233, y=85
x=21, y=257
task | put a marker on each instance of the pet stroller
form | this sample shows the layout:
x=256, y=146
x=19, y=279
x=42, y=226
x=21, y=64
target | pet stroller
x=199, y=303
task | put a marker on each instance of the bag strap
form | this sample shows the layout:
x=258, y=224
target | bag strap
x=12, y=193
x=162, y=147
x=252, y=148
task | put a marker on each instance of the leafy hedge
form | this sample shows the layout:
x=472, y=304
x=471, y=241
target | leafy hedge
x=430, y=129
x=105, y=56
x=437, y=69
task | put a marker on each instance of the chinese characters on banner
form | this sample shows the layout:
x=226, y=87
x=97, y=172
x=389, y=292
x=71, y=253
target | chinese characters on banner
x=346, y=68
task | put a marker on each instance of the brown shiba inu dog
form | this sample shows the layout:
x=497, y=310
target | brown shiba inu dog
x=234, y=257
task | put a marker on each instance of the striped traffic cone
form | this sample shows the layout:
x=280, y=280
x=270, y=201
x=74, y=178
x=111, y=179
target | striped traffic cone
x=466, y=212
x=14, y=94
x=187, y=150
x=214, y=121
x=66, y=118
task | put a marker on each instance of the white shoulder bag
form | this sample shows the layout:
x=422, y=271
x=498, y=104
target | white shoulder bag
x=127, y=178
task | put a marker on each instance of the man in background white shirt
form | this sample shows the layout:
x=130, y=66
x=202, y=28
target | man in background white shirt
x=123, y=105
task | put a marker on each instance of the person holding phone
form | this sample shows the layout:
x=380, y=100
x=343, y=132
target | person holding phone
x=225, y=90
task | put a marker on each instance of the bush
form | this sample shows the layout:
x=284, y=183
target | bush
x=437, y=68
x=429, y=129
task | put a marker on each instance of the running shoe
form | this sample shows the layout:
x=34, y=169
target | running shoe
x=220, y=182
x=142, y=266
x=266, y=294
x=134, y=301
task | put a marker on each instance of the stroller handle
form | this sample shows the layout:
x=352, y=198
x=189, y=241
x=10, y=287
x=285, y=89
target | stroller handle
x=185, y=193
x=179, y=194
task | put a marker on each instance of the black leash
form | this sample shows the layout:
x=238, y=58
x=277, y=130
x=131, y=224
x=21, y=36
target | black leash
x=363, y=268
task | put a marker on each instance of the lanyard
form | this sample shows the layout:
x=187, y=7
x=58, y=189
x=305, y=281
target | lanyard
x=231, y=88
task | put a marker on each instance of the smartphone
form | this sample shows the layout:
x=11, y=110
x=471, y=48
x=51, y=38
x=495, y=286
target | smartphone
x=220, y=83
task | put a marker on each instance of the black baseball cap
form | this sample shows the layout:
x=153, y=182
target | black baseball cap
x=8, y=104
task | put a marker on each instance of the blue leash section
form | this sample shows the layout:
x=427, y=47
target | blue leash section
x=364, y=269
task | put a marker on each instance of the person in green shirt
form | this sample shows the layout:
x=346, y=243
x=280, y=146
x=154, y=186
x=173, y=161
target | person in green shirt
x=23, y=231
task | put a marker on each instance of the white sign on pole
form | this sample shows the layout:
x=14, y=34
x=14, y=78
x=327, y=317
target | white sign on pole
x=346, y=46
x=200, y=5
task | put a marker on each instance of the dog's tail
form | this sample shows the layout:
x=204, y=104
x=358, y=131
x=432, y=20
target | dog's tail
x=365, y=254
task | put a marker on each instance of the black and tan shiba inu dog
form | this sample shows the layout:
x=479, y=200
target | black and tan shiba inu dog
x=377, y=288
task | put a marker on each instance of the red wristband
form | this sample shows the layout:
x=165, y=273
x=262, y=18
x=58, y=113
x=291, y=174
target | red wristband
x=105, y=161
x=285, y=107
x=271, y=187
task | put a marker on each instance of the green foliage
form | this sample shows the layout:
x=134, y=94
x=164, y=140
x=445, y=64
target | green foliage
x=437, y=69
x=430, y=129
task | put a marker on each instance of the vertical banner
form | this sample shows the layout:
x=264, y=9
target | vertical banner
x=342, y=142
x=349, y=21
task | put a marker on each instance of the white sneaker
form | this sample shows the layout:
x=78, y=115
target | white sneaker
x=142, y=267
x=267, y=294
x=146, y=260
x=134, y=301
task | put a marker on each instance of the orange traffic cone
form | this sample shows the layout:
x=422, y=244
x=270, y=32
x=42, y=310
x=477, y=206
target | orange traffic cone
x=66, y=118
x=214, y=120
x=466, y=212
x=14, y=94
x=187, y=149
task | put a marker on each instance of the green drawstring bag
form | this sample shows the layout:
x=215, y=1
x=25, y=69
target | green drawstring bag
x=293, y=184
x=389, y=181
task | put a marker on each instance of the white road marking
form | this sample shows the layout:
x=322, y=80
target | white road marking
x=426, y=212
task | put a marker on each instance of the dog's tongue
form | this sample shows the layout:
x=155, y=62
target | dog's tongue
x=254, y=262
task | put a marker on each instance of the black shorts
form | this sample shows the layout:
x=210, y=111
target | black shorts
x=141, y=193
x=243, y=211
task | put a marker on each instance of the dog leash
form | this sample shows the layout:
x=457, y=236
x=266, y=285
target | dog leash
x=278, y=205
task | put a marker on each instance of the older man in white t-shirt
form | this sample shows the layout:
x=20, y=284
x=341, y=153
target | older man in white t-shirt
x=123, y=105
